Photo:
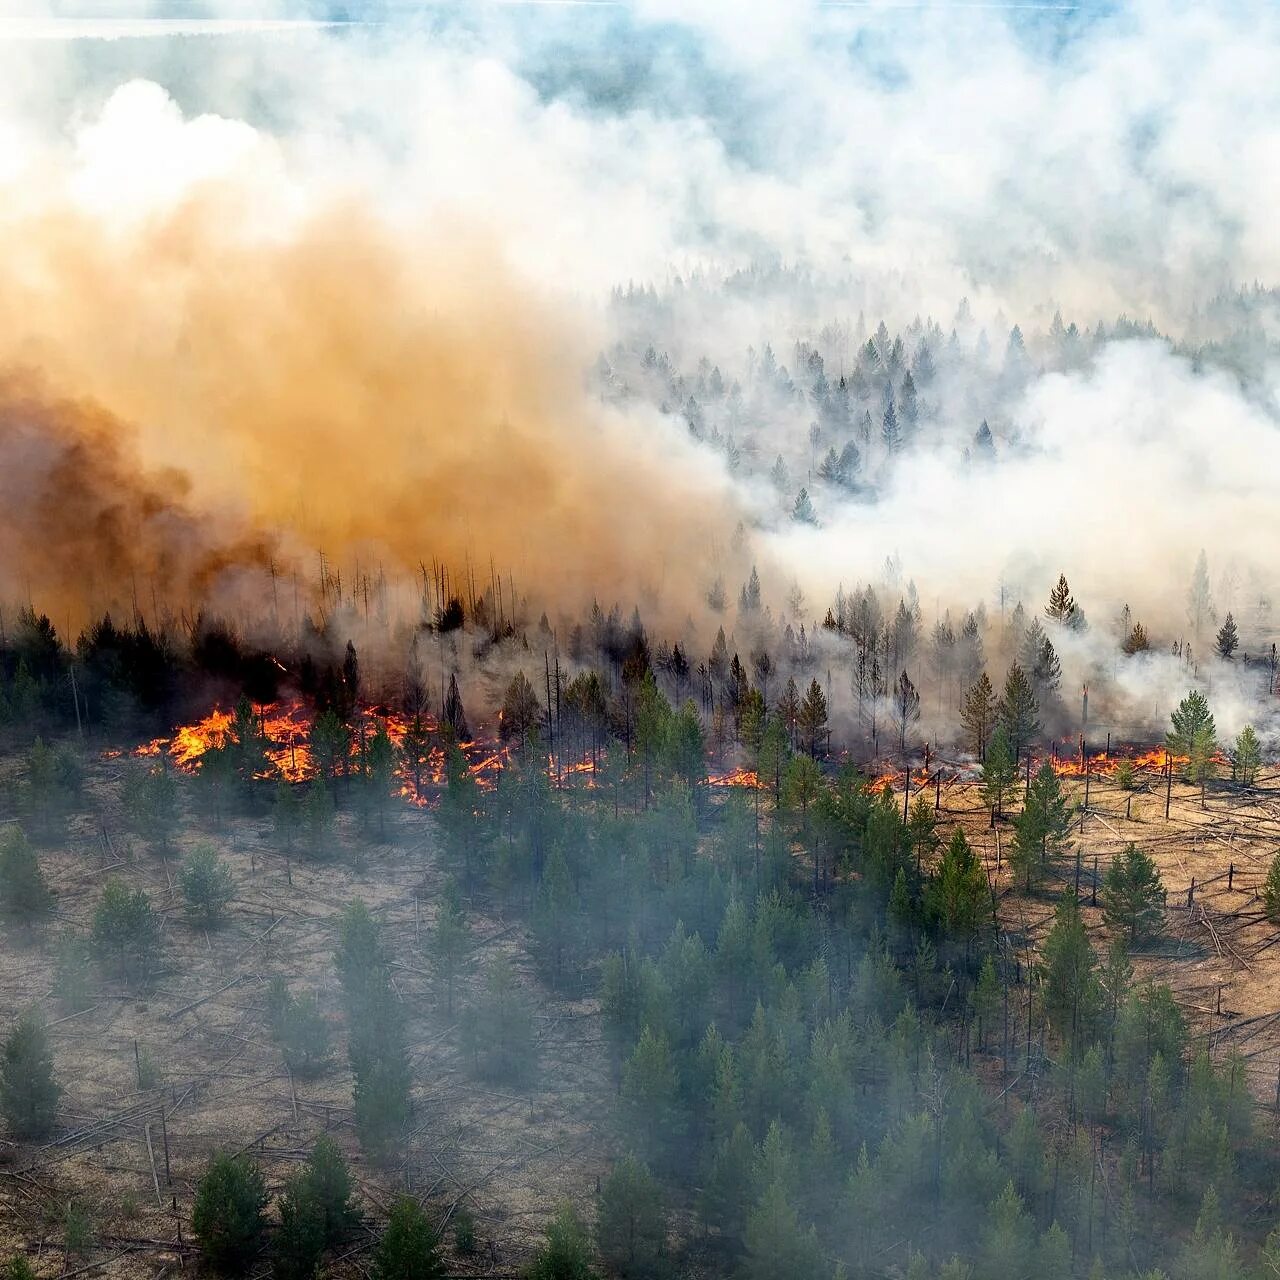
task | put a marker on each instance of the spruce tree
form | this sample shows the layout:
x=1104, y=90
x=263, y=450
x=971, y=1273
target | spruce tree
x=28, y=1091
x=890, y=432
x=802, y=512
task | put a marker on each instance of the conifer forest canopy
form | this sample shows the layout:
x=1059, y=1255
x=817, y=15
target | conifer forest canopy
x=637, y=639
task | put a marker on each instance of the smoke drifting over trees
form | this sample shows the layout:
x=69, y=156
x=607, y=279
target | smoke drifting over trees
x=564, y=579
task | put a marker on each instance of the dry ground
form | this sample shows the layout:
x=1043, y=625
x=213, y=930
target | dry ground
x=1218, y=954
x=508, y=1157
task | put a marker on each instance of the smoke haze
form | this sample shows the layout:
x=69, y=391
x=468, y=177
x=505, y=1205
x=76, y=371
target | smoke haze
x=340, y=290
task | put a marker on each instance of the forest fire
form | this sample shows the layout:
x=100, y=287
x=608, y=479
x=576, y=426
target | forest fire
x=740, y=777
x=286, y=729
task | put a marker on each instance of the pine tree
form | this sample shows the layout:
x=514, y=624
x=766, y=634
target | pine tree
x=977, y=714
x=521, y=711
x=330, y=742
x=1133, y=894
x=299, y=1029
x=565, y=1253
x=812, y=718
x=631, y=1222
x=985, y=999
x=28, y=1092
x=1271, y=889
x=1228, y=639
x=651, y=1097
x=778, y=1247
x=906, y=707
x=408, y=1248
x=415, y=749
x=1199, y=601
x=959, y=896
x=1062, y=606
x=1137, y=640
x=1246, y=756
x=150, y=801
x=299, y=1241
x=1008, y=1239
x=454, y=718
x=803, y=512
x=1070, y=991
x=1041, y=827
x=1193, y=735
x=206, y=887
x=126, y=933
x=1017, y=711
x=498, y=1029
x=450, y=938
x=24, y=893
x=227, y=1217
x=380, y=761
x=999, y=773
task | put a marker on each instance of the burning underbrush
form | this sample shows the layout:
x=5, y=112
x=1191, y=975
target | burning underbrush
x=287, y=729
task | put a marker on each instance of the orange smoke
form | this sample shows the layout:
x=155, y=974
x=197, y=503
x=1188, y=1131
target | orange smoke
x=379, y=396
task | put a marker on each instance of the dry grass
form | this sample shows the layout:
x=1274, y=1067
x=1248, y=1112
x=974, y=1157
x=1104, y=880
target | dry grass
x=1220, y=956
x=508, y=1157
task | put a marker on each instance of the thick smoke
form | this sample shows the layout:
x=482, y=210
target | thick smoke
x=381, y=394
x=347, y=284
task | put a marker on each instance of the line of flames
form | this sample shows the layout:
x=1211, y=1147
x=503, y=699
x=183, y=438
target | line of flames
x=286, y=728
